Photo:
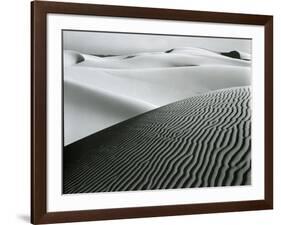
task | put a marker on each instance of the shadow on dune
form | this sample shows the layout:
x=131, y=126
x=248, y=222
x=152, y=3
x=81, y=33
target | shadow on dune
x=232, y=54
x=202, y=141
x=169, y=51
x=129, y=56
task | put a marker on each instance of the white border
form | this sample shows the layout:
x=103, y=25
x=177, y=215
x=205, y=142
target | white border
x=58, y=202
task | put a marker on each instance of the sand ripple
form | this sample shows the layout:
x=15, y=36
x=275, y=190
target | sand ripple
x=202, y=141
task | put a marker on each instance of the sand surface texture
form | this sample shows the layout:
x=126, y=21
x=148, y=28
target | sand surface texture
x=101, y=91
x=202, y=141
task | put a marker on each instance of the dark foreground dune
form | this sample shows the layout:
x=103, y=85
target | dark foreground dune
x=202, y=141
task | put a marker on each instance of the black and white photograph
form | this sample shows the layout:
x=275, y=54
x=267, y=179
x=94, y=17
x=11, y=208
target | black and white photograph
x=155, y=111
x=141, y=111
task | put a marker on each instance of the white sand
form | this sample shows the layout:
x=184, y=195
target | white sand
x=103, y=91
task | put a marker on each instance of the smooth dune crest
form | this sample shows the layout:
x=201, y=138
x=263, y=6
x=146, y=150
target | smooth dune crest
x=142, y=81
x=201, y=141
x=72, y=57
x=178, y=57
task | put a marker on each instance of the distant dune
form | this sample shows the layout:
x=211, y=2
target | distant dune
x=201, y=141
x=72, y=58
x=237, y=55
x=103, y=90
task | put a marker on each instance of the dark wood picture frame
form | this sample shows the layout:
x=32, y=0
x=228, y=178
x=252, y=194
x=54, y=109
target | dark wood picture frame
x=39, y=11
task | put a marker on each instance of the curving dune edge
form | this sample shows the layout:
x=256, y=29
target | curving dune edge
x=103, y=90
x=201, y=141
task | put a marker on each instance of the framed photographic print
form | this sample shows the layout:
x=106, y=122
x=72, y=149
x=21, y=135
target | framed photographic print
x=142, y=112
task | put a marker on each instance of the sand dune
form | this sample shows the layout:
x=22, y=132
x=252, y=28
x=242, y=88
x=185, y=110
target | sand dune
x=97, y=109
x=72, y=58
x=161, y=86
x=237, y=55
x=175, y=58
x=142, y=82
x=202, y=141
